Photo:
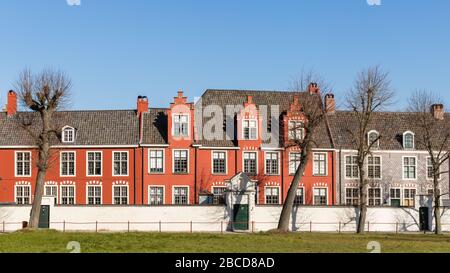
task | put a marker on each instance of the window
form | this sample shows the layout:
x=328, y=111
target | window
x=67, y=163
x=272, y=195
x=120, y=161
x=180, y=195
x=320, y=164
x=250, y=163
x=156, y=196
x=23, y=163
x=320, y=196
x=409, y=196
x=52, y=191
x=156, y=161
x=94, y=195
x=181, y=125
x=409, y=168
x=374, y=197
x=373, y=139
x=219, y=195
x=120, y=195
x=351, y=167
x=180, y=161
x=271, y=163
x=294, y=162
x=23, y=195
x=300, y=197
x=296, y=130
x=94, y=163
x=395, y=198
x=430, y=172
x=250, y=129
x=374, y=167
x=408, y=140
x=352, y=196
x=67, y=195
x=219, y=163
x=68, y=135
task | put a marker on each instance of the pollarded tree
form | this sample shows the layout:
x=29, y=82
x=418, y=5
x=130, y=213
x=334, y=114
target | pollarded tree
x=44, y=94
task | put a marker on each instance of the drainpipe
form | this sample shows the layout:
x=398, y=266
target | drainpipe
x=142, y=163
x=340, y=176
x=282, y=177
x=195, y=176
x=134, y=167
x=333, y=172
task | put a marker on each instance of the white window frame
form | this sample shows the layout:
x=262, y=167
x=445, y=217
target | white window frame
x=381, y=196
x=212, y=162
x=377, y=144
x=373, y=165
x=304, y=196
x=218, y=187
x=188, y=125
x=326, y=195
x=351, y=165
x=326, y=165
x=74, y=194
x=265, y=194
x=52, y=186
x=400, y=198
x=413, y=140
x=173, y=194
x=243, y=161
x=163, y=161
x=23, y=196
x=173, y=161
x=293, y=130
x=403, y=168
x=65, y=130
x=290, y=163
x=114, y=196
x=404, y=198
x=15, y=163
x=74, y=164
x=352, y=197
x=249, y=134
x=87, y=164
x=128, y=163
x=87, y=194
x=163, y=194
x=278, y=163
x=428, y=166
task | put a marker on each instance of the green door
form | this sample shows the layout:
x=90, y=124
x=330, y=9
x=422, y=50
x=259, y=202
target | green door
x=240, y=213
x=44, y=218
x=424, y=219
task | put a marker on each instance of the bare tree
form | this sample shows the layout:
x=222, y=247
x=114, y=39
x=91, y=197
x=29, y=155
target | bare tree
x=44, y=94
x=371, y=93
x=313, y=114
x=433, y=134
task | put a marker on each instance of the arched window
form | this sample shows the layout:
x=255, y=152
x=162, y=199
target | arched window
x=373, y=139
x=68, y=134
x=408, y=140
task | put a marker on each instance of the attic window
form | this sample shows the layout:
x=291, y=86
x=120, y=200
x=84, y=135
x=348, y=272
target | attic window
x=68, y=135
x=408, y=140
x=373, y=139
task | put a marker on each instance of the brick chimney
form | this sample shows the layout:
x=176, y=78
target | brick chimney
x=330, y=104
x=11, y=105
x=313, y=88
x=437, y=110
x=142, y=105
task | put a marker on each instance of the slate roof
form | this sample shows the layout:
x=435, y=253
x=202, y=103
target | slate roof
x=113, y=127
x=390, y=126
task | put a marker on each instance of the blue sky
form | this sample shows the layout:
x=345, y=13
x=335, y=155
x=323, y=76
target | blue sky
x=115, y=50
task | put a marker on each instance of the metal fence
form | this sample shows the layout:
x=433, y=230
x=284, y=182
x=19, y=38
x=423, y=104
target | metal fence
x=217, y=226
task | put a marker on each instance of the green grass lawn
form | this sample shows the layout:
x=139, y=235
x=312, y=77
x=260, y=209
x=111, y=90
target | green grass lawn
x=52, y=241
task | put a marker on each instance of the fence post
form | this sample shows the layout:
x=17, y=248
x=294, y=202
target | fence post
x=128, y=226
x=3, y=226
x=96, y=226
x=396, y=228
x=221, y=226
x=64, y=226
x=253, y=226
x=368, y=226
x=191, y=227
x=310, y=226
x=160, y=226
x=339, y=226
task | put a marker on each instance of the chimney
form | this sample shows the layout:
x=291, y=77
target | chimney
x=180, y=93
x=330, y=104
x=249, y=99
x=11, y=105
x=142, y=105
x=313, y=88
x=437, y=110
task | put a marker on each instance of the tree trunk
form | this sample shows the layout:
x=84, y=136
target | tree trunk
x=437, y=214
x=283, y=224
x=362, y=200
x=36, y=207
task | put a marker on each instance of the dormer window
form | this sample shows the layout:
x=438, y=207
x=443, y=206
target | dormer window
x=180, y=125
x=296, y=130
x=408, y=140
x=250, y=129
x=373, y=139
x=68, y=135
